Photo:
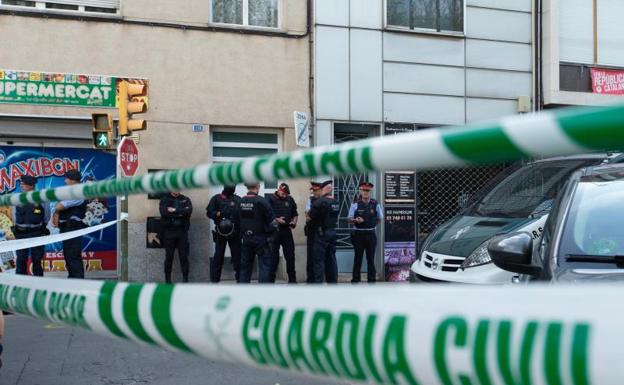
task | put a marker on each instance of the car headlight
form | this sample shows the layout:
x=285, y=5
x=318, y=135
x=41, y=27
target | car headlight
x=478, y=257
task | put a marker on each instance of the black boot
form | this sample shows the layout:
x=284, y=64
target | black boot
x=168, y=277
x=185, y=278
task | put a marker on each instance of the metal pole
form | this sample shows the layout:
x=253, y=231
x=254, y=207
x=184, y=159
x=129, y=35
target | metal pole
x=123, y=239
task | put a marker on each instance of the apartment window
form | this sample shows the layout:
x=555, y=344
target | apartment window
x=86, y=6
x=230, y=146
x=435, y=15
x=252, y=13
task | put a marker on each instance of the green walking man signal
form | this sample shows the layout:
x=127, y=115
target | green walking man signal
x=102, y=131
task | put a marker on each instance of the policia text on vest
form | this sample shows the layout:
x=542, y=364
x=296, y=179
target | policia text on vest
x=258, y=225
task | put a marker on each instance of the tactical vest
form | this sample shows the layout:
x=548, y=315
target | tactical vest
x=228, y=206
x=29, y=216
x=178, y=222
x=281, y=207
x=330, y=214
x=76, y=211
x=251, y=218
x=367, y=211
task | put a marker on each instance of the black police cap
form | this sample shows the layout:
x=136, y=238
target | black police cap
x=29, y=180
x=73, y=175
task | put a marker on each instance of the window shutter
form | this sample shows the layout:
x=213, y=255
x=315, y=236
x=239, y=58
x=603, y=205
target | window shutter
x=87, y=3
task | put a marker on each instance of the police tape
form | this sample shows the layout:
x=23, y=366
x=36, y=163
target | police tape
x=26, y=243
x=385, y=335
x=560, y=132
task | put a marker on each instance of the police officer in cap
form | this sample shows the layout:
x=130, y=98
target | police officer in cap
x=325, y=210
x=176, y=210
x=257, y=224
x=364, y=214
x=30, y=222
x=68, y=216
x=285, y=210
x=223, y=210
x=310, y=229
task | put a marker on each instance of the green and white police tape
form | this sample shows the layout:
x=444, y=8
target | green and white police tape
x=451, y=335
x=561, y=132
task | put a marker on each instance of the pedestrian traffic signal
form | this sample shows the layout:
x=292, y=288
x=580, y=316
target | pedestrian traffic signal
x=127, y=108
x=102, y=131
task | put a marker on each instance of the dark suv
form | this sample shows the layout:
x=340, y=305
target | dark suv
x=583, y=239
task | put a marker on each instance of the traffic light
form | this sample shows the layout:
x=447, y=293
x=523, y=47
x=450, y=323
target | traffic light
x=127, y=107
x=102, y=131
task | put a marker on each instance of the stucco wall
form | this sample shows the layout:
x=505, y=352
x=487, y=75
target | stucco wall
x=207, y=77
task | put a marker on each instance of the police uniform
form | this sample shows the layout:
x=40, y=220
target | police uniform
x=325, y=210
x=285, y=208
x=70, y=219
x=257, y=226
x=227, y=204
x=30, y=222
x=363, y=234
x=177, y=224
x=310, y=230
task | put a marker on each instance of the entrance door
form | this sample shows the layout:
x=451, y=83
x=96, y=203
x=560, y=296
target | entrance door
x=230, y=145
x=346, y=190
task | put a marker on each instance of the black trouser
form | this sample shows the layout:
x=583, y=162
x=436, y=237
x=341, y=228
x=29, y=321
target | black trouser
x=36, y=255
x=216, y=265
x=72, y=251
x=250, y=247
x=176, y=239
x=284, y=238
x=364, y=241
x=310, y=257
x=325, y=257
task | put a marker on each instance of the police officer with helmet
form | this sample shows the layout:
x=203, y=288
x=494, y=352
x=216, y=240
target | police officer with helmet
x=325, y=210
x=285, y=210
x=176, y=210
x=365, y=214
x=68, y=216
x=30, y=222
x=223, y=210
x=257, y=224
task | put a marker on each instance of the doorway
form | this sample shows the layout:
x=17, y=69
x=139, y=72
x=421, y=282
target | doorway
x=346, y=190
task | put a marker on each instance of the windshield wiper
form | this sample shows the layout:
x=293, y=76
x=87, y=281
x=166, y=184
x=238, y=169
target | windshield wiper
x=596, y=258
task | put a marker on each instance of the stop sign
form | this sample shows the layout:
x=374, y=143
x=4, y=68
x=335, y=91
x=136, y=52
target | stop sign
x=128, y=156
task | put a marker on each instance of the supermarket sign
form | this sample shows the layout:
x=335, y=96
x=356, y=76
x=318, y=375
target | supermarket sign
x=59, y=89
x=610, y=82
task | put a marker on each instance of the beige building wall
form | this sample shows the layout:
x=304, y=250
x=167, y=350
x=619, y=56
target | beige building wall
x=215, y=78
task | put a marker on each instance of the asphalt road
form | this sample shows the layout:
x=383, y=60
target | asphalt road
x=41, y=353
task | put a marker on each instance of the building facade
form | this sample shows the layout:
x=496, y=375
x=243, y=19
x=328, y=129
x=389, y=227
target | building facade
x=388, y=66
x=582, y=61
x=224, y=78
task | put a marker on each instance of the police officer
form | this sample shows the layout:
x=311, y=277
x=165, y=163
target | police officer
x=364, y=214
x=325, y=210
x=68, y=216
x=257, y=224
x=223, y=210
x=310, y=229
x=30, y=222
x=285, y=210
x=176, y=209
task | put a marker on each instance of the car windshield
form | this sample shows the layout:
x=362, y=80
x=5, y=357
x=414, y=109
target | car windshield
x=594, y=222
x=528, y=190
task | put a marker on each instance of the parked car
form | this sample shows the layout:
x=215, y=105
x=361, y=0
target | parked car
x=519, y=200
x=583, y=238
